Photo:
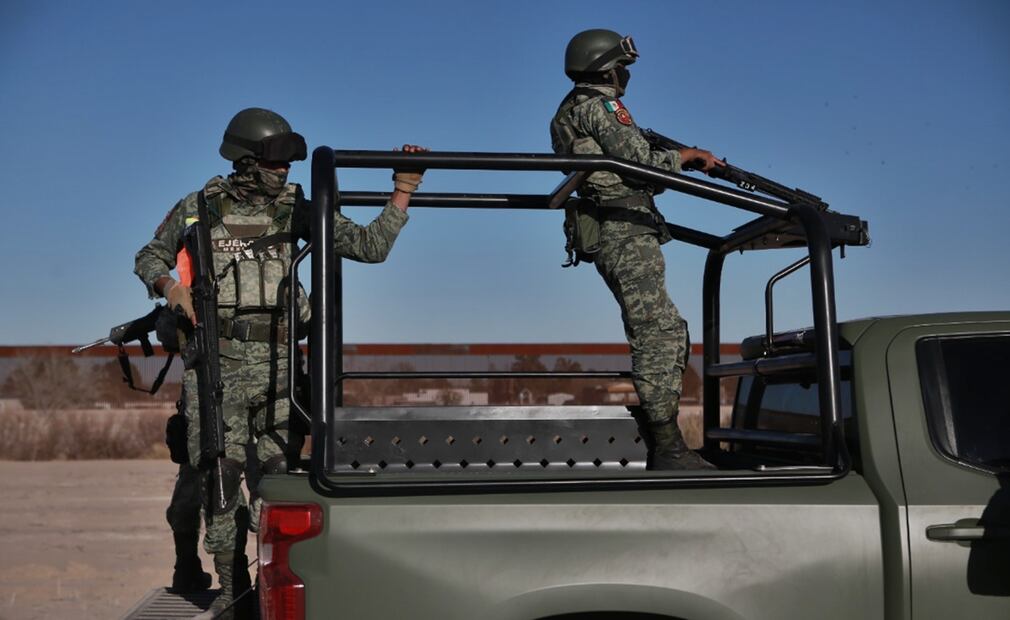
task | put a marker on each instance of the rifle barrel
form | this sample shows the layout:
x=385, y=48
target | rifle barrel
x=90, y=345
x=222, y=500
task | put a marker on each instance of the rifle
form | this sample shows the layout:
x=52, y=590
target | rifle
x=137, y=329
x=741, y=178
x=201, y=355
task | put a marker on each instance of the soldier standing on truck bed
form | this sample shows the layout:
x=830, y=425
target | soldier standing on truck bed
x=255, y=203
x=620, y=230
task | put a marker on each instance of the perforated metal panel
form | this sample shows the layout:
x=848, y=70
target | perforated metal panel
x=489, y=439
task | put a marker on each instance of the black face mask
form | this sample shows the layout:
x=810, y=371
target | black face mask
x=257, y=184
x=621, y=75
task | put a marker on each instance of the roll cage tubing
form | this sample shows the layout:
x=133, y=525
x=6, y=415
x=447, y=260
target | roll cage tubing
x=779, y=225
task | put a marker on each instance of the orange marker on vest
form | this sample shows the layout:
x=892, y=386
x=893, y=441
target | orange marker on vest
x=184, y=265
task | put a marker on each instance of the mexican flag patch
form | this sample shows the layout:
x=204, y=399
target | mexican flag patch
x=620, y=112
x=613, y=105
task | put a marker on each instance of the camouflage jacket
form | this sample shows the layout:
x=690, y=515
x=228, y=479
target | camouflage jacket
x=369, y=244
x=603, y=126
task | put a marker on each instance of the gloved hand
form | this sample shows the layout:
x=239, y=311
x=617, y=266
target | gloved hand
x=408, y=180
x=179, y=296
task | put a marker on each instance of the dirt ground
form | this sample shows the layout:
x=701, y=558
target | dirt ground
x=83, y=539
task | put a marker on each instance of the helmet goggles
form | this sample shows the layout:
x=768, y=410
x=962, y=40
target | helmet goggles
x=285, y=147
x=624, y=52
x=628, y=47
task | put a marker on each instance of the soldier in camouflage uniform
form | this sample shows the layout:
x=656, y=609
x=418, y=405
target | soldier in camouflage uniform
x=593, y=120
x=255, y=205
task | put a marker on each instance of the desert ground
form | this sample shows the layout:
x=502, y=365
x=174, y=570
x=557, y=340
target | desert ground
x=83, y=539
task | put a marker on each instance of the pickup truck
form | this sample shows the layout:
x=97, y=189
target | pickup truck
x=865, y=472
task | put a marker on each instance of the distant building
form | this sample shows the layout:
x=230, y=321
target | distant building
x=622, y=393
x=559, y=399
x=444, y=396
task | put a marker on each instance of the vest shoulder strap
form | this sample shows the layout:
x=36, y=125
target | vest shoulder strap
x=202, y=211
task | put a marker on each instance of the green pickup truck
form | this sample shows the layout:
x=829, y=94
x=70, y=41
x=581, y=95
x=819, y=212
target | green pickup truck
x=865, y=472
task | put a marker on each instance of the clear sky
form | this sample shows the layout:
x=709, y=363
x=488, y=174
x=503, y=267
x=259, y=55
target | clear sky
x=897, y=112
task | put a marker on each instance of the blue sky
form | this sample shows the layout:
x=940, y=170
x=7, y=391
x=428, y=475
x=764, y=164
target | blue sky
x=897, y=112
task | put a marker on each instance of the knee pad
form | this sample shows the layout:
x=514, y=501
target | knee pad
x=276, y=464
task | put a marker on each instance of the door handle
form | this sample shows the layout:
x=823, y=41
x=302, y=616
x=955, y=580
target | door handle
x=962, y=530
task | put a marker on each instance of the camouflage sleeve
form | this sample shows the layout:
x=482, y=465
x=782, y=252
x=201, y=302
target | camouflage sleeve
x=157, y=258
x=371, y=243
x=611, y=125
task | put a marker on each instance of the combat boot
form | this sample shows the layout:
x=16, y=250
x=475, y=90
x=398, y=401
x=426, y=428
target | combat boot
x=669, y=452
x=189, y=575
x=236, y=601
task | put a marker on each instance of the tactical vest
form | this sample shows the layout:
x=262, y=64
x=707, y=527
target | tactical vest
x=563, y=134
x=587, y=223
x=252, y=253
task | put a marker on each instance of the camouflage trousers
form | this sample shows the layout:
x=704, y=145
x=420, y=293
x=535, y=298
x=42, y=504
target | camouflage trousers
x=256, y=408
x=635, y=272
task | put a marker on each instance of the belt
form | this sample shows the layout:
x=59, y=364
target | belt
x=635, y=200
x=248, y=331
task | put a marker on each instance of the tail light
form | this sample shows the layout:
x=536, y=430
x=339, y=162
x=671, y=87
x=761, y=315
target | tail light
x=282, y=592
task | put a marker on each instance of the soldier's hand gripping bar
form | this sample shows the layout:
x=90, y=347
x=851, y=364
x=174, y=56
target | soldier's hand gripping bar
x=741, y=178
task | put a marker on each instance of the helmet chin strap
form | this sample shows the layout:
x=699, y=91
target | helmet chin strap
x=615, y=81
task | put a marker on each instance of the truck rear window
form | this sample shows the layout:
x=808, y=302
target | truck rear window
x=966, y=393
x=789, y=404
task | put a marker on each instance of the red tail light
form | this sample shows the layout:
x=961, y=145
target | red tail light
x=282, y=593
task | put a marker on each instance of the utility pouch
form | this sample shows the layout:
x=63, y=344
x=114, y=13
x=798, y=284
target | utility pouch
x=582, y=231
x=175, y=437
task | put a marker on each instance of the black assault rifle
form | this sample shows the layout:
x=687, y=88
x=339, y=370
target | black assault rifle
x=741, y=178
x=201, y=355
x=138, y=329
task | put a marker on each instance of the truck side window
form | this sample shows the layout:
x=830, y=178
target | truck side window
x=966, y=393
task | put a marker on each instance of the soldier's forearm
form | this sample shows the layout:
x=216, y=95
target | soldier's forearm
x=162, y=284
x=400, y=200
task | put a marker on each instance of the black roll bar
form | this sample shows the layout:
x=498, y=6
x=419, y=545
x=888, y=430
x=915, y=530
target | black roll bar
x=326, y=343
x=564, y=163
x=324, y=347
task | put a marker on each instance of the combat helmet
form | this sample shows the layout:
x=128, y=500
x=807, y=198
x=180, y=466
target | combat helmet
x=262, y=134
x=597, y=51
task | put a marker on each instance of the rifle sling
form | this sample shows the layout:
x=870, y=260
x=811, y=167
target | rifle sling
x=124, y=366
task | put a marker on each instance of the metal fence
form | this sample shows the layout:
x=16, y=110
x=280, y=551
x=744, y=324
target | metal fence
x=93, y=380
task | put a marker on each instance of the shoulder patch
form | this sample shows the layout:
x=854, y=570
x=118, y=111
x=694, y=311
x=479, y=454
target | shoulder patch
x=619, y=111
